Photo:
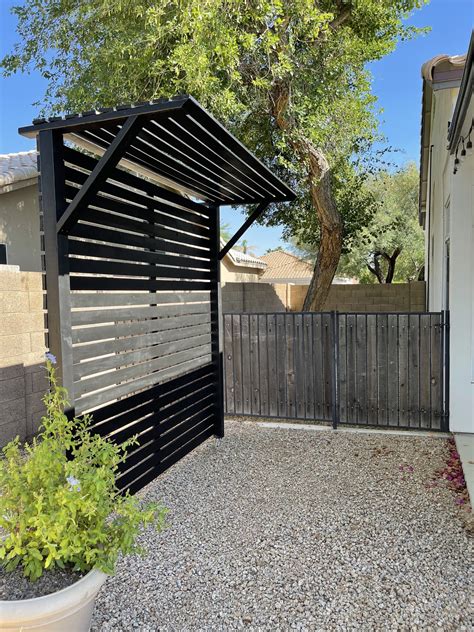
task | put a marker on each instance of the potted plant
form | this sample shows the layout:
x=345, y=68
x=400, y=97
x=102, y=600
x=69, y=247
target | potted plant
x=63, y=522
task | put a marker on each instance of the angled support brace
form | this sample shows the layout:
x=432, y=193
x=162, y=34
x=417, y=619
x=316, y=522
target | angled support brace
x=249, y=221
x=100, y=173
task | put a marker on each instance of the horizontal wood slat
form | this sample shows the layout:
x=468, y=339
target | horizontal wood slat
x=118, y=299
x=102, y=380
x=118, y=345
x=166, y=349
x=96, y=316
x=106, y=332
x=126, y=222
x=93, y=400
x=90, y=249
x=151, y=190
x=99, y=234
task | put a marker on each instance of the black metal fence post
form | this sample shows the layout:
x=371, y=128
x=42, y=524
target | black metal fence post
x=216, y=321
x=335, y=360
x=446, y=355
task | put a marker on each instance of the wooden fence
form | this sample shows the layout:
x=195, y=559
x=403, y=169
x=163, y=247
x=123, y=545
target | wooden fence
x=368, y=369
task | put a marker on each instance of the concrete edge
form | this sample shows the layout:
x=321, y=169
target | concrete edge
x=465, y=448
x=400, y=433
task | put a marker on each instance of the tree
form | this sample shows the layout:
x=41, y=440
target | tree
x=391, y=247
x=225, y=231
x=287, y=76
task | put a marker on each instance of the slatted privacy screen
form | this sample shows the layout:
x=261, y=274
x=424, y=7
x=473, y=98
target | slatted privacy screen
x=132, y=250
x=384, y=370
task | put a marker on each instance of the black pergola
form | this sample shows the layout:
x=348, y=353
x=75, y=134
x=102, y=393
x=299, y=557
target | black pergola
x=132, y=250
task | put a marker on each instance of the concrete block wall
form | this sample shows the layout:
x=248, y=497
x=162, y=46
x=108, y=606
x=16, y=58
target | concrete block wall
x=391, y=297
x=254, y=297
x=268, y=297
x=22, y=348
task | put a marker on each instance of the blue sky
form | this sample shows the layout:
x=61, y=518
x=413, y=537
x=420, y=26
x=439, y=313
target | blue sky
x=396, y=83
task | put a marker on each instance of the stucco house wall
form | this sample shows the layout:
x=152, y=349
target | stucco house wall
x=447, y=213
x=20, y=227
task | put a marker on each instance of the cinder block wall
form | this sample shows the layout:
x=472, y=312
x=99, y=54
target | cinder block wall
x=22, y=347
x=254, y=297
x=391, y=297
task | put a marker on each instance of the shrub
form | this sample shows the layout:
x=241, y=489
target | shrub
x=59, y=501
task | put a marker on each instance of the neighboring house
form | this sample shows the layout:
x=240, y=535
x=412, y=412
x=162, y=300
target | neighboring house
x=447, y=216
x=284, y=267
x=20, y=243
x=240, y=267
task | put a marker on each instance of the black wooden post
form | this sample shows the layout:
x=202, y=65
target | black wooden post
x=51, y=168
x=334, y=373
x=216, y=316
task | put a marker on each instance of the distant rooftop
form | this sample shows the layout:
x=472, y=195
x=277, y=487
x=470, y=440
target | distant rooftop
x=284, y=267
x=17, y=168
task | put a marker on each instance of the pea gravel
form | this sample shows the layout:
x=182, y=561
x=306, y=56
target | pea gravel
x=292, y=529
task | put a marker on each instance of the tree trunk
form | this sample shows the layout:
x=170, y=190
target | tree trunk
x=330, y=222
x=319, y=177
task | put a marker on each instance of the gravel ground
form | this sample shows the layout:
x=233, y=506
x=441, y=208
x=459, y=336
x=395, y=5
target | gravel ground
x=293, y=529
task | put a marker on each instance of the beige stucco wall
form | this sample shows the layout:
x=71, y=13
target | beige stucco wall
x=20, y=227
x=22, y=348
x=230, y=273
x=391, y=297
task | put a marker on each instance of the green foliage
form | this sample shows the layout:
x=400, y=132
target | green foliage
x=60, y=511
x=232, y=55
x=393, y=225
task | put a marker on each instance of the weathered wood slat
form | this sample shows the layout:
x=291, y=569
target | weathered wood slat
x=361, y=368
x=372, y=370
x=137, y=240
x=393, y=370
x=100, y=251
x=116, y=315
x=119, y=330
x=228, y=365
x=263, y=364
x=117, y=360
x=246, y=374
x=237, y=356
x=151, y=190
x=88, y=402
x=272, y=366
x=425, y=370
x=96, y=381
x=300, y=390
x=327, y=364
x=119, y=299
x=342, y=369
x=403, y=369
x=382, y=360
x=254, y=365
x=281, y=358
x=106, y=283
x=351, y=368
x=290, y=365
x=414, y=364
x=436, y=372
x=128, y=224
x=308, y=366
x=172, y=337
x=318, y=367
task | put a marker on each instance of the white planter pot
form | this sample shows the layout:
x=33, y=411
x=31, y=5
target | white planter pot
x=67, y=610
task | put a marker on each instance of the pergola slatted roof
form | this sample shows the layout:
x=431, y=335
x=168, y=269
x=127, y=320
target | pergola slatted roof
x=181, y=143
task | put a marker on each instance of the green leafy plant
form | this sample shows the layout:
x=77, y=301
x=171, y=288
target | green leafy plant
x=59, y=501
